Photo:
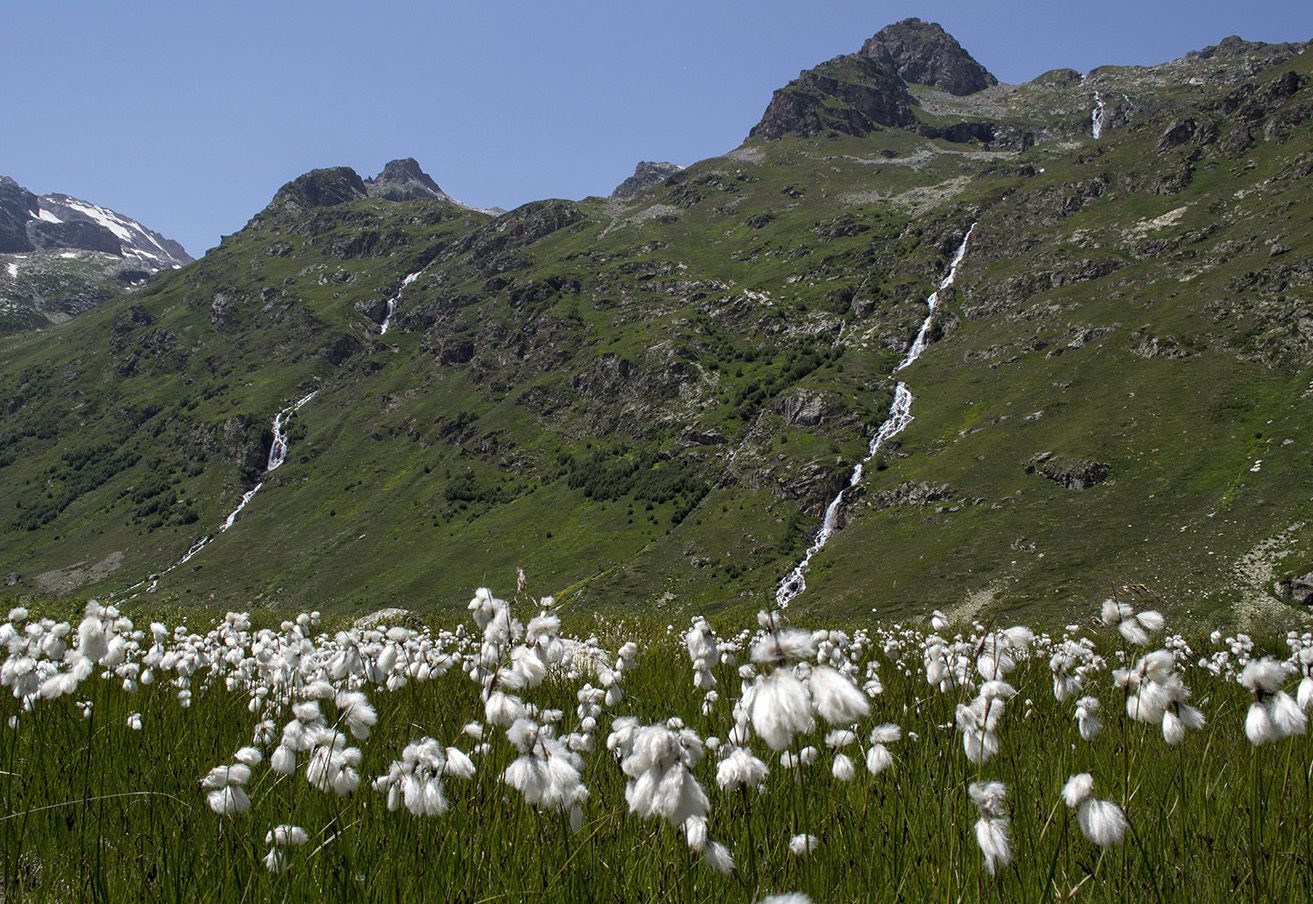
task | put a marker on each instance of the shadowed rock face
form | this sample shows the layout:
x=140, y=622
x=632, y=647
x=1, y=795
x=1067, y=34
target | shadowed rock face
x=924, y=54
x=848, y=95
x=319, y=188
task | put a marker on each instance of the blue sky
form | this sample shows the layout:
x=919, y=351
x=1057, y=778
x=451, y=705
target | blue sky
x=189, y=115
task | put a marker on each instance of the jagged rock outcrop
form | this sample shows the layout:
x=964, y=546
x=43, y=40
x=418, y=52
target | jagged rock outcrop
x=924, y=54
x=911, y=492
x=1260, y=55
x=1072, y=473
x=403, y=180
x=319, y=188
x=646, y=174
x=59, y=222
x=17, y=207
x=849, y=95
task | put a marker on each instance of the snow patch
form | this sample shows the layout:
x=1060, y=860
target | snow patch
x=115, y=224
x=43, y=214
x=13, y=269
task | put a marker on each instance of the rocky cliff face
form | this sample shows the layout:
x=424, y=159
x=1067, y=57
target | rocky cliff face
x=403, y=180
x=848, y=95
x=858, y=93
x=67, y=256
x=52, y=222
x=646, y=174
x=924, y=54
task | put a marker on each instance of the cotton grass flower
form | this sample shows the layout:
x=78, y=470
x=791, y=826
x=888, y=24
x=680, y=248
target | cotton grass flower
x=802, y=845
x=279, y=838
x=226, y=792
x=1273, y=715
x=781, y=709
x=990, y=799
x=740, y=769
x=1101, y=821
x=1135, y=627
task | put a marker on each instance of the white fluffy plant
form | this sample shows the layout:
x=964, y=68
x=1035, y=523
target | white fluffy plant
x=783, y=702
x=1101, y=821
x=1156, y=695
x=658, y=760
x=547, y=772
x=1274, y=714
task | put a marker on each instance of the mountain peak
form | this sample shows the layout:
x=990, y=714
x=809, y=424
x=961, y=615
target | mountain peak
x=646, y=174
x=320, y=188
x=924, y=54
x=404, y=180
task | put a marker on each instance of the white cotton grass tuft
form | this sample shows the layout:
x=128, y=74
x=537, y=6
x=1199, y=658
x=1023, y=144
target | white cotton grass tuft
x=803, y=844
x=990, y=799
x=354, y=708
x=1135, y=627
x=781, y=708
x=225, y=787
x=718, y=858
x=838, y=700
x=740, y=769
x=278, y=838
x=1087, y=718
x=1101, y=821
x=1274, y=714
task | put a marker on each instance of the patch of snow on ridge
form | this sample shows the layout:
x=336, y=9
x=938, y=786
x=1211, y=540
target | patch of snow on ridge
x=103, y=217
x=43, y=214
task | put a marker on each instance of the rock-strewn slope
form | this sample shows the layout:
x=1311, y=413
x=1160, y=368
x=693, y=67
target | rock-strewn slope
x=651, y=401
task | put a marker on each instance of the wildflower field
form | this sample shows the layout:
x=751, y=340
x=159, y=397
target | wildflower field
x=499, y=759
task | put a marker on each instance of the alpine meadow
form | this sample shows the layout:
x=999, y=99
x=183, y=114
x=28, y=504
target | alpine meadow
x=914, y=503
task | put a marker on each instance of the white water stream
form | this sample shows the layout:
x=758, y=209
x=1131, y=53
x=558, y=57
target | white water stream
x=393, y=301
x=900, y=415
x=1098, y=117
x=277, y=455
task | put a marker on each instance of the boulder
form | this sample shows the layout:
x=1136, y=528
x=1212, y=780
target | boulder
x=1072, y=473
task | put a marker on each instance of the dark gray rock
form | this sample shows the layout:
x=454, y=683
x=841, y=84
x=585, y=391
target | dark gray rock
x=403, y=180
x=646, y=174
x=1072, y=473
x=319, y=188
x=801, y=407
x=924, y=54
x=911, y=492
x=848, y=95
x=17, y=207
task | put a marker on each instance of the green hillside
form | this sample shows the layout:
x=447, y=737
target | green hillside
x=649, y=404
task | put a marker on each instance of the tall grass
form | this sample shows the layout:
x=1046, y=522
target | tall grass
x=91, y=809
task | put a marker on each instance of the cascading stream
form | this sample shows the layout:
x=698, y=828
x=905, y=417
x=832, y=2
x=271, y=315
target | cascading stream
x=900, y=415
x=277, y=455
x=394, y=301
x=1098, y=117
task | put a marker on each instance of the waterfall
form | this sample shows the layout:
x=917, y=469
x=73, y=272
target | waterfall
x=900, y=415
x=392, y=302
x=1098, y=117
x=277, y=455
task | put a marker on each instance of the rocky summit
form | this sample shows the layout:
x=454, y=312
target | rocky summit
x=924, y=54
x=403, y=180
x=922, y=341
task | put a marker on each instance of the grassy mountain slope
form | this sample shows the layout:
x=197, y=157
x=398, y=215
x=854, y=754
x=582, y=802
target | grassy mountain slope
x=650, y=403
